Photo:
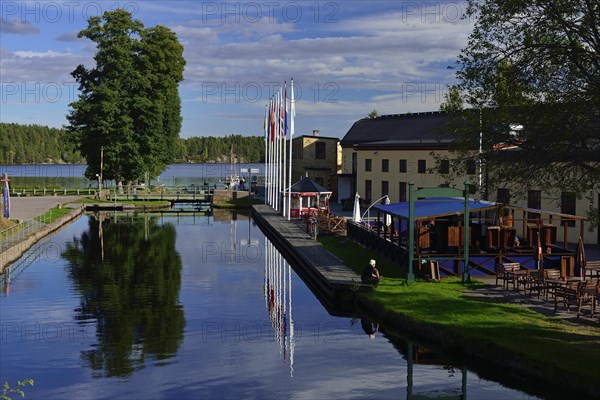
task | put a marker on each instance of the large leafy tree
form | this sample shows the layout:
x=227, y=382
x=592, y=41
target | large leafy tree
x=533, y=65
x=129, y=102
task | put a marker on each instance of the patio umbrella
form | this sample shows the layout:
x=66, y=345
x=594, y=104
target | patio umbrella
x=580, y=257
x=388, y=217
x=537, y=253
x=356, y=212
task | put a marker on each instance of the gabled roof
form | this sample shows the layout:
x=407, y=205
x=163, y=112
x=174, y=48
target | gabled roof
x=305, y=185
x=394, y=130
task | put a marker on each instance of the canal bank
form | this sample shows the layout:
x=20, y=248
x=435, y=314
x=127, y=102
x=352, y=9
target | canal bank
x=324, y=273
x=15, y=248
x=546, y=350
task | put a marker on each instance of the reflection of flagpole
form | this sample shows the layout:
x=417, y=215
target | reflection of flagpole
x=291, y=322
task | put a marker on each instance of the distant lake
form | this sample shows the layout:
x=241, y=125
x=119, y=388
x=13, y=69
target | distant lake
x=71, y=175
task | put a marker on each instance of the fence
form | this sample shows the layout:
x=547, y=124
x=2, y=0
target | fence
x=20, y=232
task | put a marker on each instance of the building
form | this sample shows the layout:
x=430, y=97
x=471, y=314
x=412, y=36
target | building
x=381, y=155
x=318, y=158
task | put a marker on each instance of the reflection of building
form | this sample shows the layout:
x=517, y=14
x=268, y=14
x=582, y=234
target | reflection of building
x=278, y=300
x=381, y=155
x=318, y=158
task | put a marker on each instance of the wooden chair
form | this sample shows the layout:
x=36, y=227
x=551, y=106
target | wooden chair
x=505, y=274
x=537, y=283
x=574, y=294
x=552, y=274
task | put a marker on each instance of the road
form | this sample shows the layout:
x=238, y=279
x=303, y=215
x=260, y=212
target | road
x=24, y=208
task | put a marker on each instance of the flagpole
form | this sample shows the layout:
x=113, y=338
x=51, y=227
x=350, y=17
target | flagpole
x=285, y=208
x=277, y=153
x=266, y=151
x=291, y=116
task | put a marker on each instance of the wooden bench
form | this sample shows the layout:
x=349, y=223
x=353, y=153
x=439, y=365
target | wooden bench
x=593, y=267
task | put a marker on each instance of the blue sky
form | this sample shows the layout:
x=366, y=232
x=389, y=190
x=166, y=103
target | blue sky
x=346, y=57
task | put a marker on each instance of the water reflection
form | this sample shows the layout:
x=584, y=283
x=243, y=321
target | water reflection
x=128, y=274
x=278, y=301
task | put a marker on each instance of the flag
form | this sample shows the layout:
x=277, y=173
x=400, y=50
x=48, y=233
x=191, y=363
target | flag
x=281, y=114
x=272, y=119
x=285, y=109
x=6, y=197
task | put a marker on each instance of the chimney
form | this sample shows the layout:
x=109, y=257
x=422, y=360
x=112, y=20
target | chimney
x=315, y=132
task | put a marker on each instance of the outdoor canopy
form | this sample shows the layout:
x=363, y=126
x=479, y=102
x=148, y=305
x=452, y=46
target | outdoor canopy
x=435, y=207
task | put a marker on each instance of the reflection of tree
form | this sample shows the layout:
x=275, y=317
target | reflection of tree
x=133, y=295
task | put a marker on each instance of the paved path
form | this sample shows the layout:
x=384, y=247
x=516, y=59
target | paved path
x=534, y=303
x=24, y=208
x=325, y=268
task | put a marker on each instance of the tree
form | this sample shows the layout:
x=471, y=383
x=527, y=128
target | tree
x=453, y=101
x=373, y=114
x=129, y=103
x=533, y=64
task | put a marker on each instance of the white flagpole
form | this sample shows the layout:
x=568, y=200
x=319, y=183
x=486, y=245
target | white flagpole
x=272, y=158
x=279, y=197
x=277, y=153
x=266, y=149
x=285, y=208
x=291, y=116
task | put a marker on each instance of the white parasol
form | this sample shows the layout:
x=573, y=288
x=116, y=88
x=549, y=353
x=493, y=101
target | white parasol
x=388, y=217
x=356, y=212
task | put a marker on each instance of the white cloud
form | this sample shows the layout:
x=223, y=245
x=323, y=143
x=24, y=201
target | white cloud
x=18, y=27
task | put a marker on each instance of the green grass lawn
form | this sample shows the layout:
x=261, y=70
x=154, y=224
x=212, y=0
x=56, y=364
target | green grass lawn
x=53, y=214
x=238, y=203
x=511, y=331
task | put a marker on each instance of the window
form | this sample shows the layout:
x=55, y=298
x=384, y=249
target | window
x=320, y=150
x=503, y=196
x=471, y=167
x=534, y=200
x=354, y=162
x=368, y=190
x=444, y=166
x=368, y=164
x=403, y=191
x=385, y=188
x=567, y=206
x=385, y=165
x=402, y=166
x=422, y=166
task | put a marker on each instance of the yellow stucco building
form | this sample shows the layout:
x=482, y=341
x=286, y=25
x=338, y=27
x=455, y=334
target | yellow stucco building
x=381, y=155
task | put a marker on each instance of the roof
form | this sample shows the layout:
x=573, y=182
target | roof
x=305, y=185
x=441, y=207
x=316, y=137
x=435, y=207
x=400, y=129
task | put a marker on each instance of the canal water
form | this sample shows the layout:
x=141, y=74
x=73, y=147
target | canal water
x=195, y=306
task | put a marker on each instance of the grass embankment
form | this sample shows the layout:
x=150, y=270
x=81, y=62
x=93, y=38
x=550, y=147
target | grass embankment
x=53, y=214
x=506, y=332
x=238, y=203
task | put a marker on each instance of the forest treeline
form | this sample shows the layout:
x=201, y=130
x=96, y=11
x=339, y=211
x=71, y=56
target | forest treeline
x=37, y=144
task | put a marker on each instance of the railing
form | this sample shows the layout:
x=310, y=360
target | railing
x=127, y=192
x=20, y=232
